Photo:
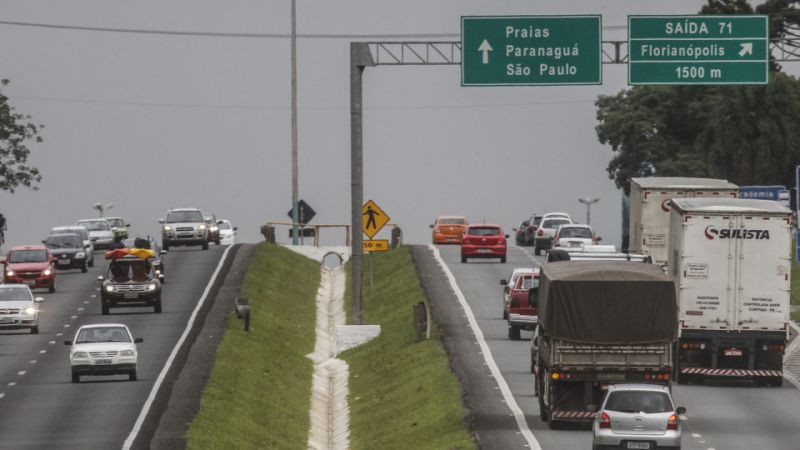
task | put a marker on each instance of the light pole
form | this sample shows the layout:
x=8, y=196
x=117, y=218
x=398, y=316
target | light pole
x=99, y=207
x=295, y=189
x=588, y=202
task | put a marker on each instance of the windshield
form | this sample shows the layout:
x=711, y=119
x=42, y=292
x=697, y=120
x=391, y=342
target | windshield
x=537, y=220
x=184, y=216
x=576, y=233
x=27, y=256
x=485, y=231
x=527, y=282
x=68, y=241
x=103, y=334
x=80, y=231
x=118, y=223
x=96, y=225
x=452, y=221
x=649, y=402
x=14, y=294
x=123, y=271
x=554, y=223
x=225, y=226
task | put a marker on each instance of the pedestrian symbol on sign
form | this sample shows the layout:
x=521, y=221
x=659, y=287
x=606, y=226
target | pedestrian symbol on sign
x=373, y=219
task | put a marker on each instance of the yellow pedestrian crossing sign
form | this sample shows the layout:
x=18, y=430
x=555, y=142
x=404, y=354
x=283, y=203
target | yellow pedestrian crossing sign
x=372, y=219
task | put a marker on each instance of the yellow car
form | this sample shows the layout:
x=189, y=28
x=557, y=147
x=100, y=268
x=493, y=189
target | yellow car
x=449, y=229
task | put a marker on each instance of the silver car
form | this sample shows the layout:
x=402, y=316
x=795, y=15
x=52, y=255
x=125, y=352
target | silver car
x=637, y=416
x=19, y=309
x=99, y=231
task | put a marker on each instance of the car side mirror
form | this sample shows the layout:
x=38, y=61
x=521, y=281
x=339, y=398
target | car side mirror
x=38, y=299
x=53, y=259
x=68, y=342
x=2, y=260
x=87, y=246
x=507, y=236
x=430, y=226
x=503, y=282
x=235, y=228
x=138, y=340
x=160, y=220
x=219, y=222
x=592, y=408
x=598, y=239
x=94, y=238
x=680, y=410
x=101, y=278
x=44, y=242
x=514, y=229
x=127, y=225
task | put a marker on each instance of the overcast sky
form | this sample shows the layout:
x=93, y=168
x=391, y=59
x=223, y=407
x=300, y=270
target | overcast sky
x=150, y=122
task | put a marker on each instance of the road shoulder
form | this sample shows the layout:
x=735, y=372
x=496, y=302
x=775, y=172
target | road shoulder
x=187, y=390
x=489, y=417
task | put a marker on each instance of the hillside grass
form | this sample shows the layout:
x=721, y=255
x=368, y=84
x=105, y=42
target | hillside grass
x=259, y=392
x=402, y=392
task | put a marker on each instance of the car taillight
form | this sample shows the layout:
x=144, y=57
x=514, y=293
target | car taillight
x=531, y=228
x=540, y=232
x=672, y=422
x=605, y=421
x=773, y=348
x=693, y=346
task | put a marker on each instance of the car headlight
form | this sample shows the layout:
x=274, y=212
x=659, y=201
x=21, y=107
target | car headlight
x=47, y=272
x=10, y=273
x=109, y=288
x=151, y=287
x=167, y=228
x=213, y=228
x=79, y=355
x=158, y=272
x=201, y=227
x=30, y=310
x=80, y=255
x=126, y=353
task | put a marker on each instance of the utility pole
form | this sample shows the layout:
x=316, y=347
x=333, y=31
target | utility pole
x=295, y=188
x=588, y=202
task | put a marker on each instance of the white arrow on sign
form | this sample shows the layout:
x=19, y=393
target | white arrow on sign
x=485, y=48
x=747, y=49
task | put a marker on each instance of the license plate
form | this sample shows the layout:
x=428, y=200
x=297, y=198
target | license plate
x=131, y=295
x=483, y=250
x=574, y=244
x=638, y=445
x=30, y=282
x=63, y=261
x=732, y=352
x=104, y=362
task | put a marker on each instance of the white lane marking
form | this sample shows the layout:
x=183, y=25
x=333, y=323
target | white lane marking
x=2, y=394
x=81, y=308
x=697, y=435
x=42, y=351
x=52, y=342
x=533, y=258
x=73, y=317
x=86, y=302
x=21, y=373
x=519, y=416
x=151, y=397
x=59, y=334
x=12, y=383
x=33, y=361
x=66, y=325
x=93, y=296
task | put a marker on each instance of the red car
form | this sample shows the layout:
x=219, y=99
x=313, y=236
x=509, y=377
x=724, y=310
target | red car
x=521, y=314
x=31, y=265
x=483, y=241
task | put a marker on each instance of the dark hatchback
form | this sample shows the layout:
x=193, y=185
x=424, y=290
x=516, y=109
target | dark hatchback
x=68, y=251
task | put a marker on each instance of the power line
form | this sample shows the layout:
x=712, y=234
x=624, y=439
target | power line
x=283, y=108
x=243, y=34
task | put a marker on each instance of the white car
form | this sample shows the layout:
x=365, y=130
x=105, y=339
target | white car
x=103, y=349
x=547, y=231
x=574, y=236
x=100, y=231
x=18, y=308
x=83, y=232
x=557, y=214
x=509, y=283
x=227, y=232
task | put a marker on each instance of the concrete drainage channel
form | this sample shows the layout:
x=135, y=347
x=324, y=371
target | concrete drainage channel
x=329, y=416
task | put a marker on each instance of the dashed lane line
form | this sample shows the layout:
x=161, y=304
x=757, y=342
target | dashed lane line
x=519, y=416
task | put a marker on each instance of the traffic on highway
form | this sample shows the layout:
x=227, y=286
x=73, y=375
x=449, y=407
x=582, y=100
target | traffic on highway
x=691, y=319
x=94, y=286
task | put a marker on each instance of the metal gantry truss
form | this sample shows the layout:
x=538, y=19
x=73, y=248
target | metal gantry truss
x=449, y=52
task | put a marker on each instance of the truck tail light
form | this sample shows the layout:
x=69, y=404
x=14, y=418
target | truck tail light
x=672, y=422
x=540, y=232
x=605, y=421
x=774, y=348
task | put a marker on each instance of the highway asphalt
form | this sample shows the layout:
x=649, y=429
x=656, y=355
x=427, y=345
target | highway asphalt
x=39, y=406
x=720, y=416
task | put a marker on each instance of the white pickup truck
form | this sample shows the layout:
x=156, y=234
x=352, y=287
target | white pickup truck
x=731, y=259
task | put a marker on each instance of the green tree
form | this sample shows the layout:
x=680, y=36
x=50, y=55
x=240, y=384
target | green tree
x=16, y=131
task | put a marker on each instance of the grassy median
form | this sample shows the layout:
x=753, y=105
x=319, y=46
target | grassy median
x=259, y=392
x=402, y=392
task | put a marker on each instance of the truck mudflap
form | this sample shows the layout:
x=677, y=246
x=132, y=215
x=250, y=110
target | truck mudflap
x=583, y=416
x=730, y=372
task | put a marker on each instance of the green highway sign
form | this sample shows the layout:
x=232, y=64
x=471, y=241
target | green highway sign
x=725, y=49
x=530, y=50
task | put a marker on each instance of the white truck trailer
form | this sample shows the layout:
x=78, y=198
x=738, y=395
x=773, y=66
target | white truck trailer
x=731, y=260
x=649, y=209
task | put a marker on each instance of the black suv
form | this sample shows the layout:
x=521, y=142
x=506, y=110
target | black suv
x=69, y=251
x=131, y=281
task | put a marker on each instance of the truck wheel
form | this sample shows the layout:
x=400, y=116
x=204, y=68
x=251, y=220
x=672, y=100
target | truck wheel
x=464, y=259
x=52, y=287
x=91, y=261
x=104, y=308
x=75, y=377
x=514, y=333
x=132, y=375
x=35, y=330
x=165, y=246
x=536, y=250
x=157, y=306
x=205, y=245
x=84, y=269
x=502, y=260
x=217, y=242
x=505, y=315
x=775, y=381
